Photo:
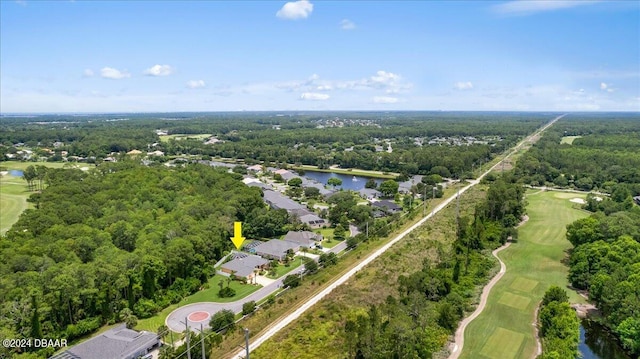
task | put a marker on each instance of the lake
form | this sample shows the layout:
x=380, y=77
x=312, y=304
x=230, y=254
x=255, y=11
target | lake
x=597, y=343
x=354, y=183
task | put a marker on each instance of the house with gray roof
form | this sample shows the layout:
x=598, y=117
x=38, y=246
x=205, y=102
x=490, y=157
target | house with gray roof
x=303, y=238
x=312, y=219
x=387, y=206
x=244, y=265
x=636, y=199
x=278, y=201
x=276, y=249
x=115, y=343
x=369, y=193
x=405, y=187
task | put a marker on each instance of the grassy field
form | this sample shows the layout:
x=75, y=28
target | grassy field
x=504, y=330
x=179, y=136
x=349, y=171
x=282, y=269
x=569, y=139
x=207, y=295
x=13, y=200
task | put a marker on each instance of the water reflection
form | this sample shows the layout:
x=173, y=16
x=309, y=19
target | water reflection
x=597, y=343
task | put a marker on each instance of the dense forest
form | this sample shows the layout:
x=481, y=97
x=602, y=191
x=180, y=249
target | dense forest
x=432, y=300
x=120, y=240
x=464, y=140
x=604, y=157
x=606, y=262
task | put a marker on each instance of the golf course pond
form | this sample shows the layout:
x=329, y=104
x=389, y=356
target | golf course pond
x=598, y=343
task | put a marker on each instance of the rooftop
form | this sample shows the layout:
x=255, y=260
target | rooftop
x=242, y=266
x=116, y=343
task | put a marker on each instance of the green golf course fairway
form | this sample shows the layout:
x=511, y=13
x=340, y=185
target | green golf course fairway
x=504, y=330
x=13, y=200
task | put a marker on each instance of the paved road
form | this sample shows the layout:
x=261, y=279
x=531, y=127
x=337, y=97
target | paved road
x=277, y=326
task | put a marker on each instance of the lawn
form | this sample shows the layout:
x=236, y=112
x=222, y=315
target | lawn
x=282, y=269
x=504, y=329
x=179, y=136
x=569, y=139
x=207, y=295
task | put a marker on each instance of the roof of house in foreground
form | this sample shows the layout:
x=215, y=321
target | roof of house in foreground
x=242, y=266
x=275, y=247
x=118, y=342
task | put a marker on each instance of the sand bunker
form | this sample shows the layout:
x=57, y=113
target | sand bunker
x=578, y=200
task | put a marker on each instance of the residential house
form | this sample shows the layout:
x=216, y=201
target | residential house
x=636, y=199
x=115, y=343
x=387, y=206
x=405, y=187
x=303, y=238
x=312, y=220
x=278, y=201
x=275, y=249
x=255, y=168
x=369, y=193
x=244, y=265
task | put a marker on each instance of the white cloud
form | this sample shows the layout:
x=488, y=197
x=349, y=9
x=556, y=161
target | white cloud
x=87, y=73
x=347, y=24
x=324, y=88
x=295, y=10
x=314, y=96
x=196, y=84
x=159, y=70
x=463, y=85
x=114, y=74
x=528, y=7
x=385, y=99
x=606, y=87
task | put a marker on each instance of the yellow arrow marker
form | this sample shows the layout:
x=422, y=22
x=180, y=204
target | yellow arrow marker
x=237, y=238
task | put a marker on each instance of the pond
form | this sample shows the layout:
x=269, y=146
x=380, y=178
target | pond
x=597, y=343
x=354, y=183
x=16, y=173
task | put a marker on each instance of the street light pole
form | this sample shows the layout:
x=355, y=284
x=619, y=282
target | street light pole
x=246, y=341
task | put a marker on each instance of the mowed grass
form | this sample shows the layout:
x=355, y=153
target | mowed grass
x=534, y=263
x=179, y=136
x=209, y=294
x=569, y=139
x=13, y=200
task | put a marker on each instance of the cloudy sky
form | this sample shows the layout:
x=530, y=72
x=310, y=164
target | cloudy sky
x=147, y=56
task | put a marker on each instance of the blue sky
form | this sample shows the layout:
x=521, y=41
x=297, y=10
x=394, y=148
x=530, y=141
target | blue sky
x=125, y=56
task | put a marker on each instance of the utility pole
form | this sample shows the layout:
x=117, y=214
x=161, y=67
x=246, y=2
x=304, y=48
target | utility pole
x=424, y=200
x=186, y=325
x=246, y=341
x=204, y=356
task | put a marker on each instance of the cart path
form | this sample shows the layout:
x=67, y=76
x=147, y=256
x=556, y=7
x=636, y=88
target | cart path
x=458, y=341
